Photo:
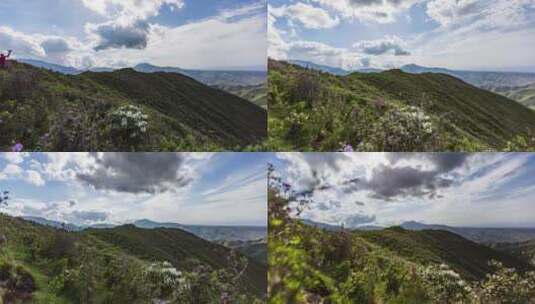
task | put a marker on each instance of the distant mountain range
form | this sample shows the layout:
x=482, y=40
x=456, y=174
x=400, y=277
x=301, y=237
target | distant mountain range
x=210, y=233
x=519, y=86
x=332, y=70
x=475, y=234
x=480, y=235
x=208, y=77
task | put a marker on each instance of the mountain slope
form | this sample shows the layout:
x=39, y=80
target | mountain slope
x=522, y=250
x=178, y=247
x=50, y=111
x=256, y=94
x=110, y=266
x=436, y=246
x=389, y=111
x=523, y=94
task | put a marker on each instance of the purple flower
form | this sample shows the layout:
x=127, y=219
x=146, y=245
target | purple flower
x=348, y=148
x=17, y=147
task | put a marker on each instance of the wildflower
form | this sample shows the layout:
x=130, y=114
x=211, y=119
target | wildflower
x=17, y=147
x=347, y=148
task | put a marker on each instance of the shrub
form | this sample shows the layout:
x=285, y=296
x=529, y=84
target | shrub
x=129, y=126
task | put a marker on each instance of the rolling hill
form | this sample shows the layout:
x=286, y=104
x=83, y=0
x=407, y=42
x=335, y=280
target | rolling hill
x=210, y=233
x=208, y=77
x=469, y=259
x=523, y=94
x=522, y=250
x=41, y=264
x=390, y=111
x=517, y=86
x=50, y=111
x=179, y=248
x=256, y=94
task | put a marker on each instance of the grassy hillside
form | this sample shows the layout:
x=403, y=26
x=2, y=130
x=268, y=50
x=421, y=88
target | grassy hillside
x=524, y=250
x=40, y=264
x=390, y=111
x=179, y=248
x=256, y=94
x=523, y=94
x=309, y=264
x=469, y=259
x=255, y=249
x=121, y=110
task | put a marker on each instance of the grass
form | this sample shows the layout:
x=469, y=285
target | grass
x=48, y=111
x=390, y=111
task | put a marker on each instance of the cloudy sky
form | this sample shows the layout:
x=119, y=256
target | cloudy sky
x=207, y=34
x=355, y=189
x=189, y=188
x=352, y=34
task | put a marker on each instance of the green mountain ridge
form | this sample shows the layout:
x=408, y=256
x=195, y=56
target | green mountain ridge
x=177, y=246
x=517, y=86
x=46, y=110
x=41, y=264
x=523, y=94
x=389, y=111
x=469, y=259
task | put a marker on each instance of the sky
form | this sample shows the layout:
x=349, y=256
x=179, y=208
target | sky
x=118, y=188
x=385, y=189
x=206, y=34
x=352, y=34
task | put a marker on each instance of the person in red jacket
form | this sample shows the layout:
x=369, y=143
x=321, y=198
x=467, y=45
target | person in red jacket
x=3, y=59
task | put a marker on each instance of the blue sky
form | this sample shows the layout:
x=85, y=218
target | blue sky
x=473, y=190
x=207, y=34
x=85, y=188
x=353, y=34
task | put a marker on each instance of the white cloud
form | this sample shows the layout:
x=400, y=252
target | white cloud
x=130, y=9
x=480, y=184
x=11, y=170
x=26, y=45
x=371, y=11
x=34, y=178
x=310, y=16
x=15, y=157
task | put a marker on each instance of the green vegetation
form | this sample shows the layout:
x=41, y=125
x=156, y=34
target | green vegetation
x=313, y=265
x=390, y=111
x=524, y=94
x=122, y=110
x=40, y=264
x=256, y=94
x=524, y=250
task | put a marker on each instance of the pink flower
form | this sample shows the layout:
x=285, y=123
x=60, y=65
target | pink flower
x=348, y=148
x=17, y=147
